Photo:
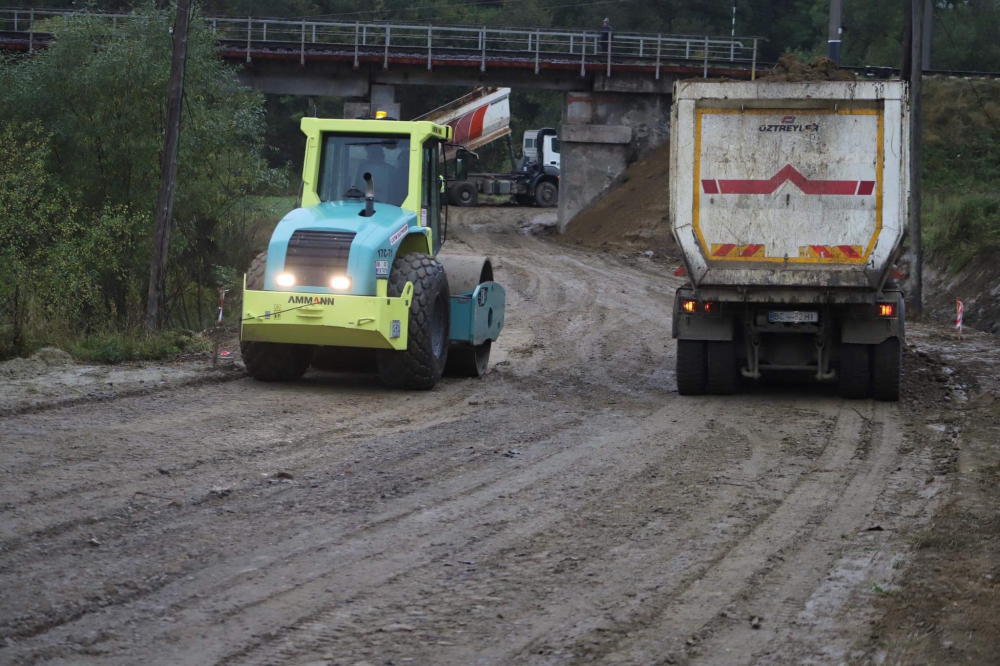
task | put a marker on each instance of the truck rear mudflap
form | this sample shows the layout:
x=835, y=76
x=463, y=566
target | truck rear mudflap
x=376, y=322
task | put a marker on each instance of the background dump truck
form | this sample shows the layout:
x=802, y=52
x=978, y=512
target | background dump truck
x=482, y=117
x=358, y=265
x=789, y=201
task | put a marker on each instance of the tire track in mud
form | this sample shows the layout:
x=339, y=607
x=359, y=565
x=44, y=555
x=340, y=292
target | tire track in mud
x=313, y=638
x=312, y=632
x=787, y=535
x=188, y=520
x=87, y=491
x=607, y=519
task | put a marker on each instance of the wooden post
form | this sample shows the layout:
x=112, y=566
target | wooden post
x=916, y=29
x=168, y=171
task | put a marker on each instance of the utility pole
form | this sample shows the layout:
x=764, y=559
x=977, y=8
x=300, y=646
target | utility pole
x=833, y=38
x=168, y=171
x=916, y=29
x=928, y=23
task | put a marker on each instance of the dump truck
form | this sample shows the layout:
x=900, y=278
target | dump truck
x=789, y=202
x=358, y=265
x=482, y=117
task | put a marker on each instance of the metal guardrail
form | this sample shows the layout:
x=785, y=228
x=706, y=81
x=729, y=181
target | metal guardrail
x=437, y=41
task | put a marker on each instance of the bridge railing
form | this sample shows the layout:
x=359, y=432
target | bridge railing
x=430, y=42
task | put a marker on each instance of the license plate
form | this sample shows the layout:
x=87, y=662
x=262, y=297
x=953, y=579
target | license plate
x=792, y=317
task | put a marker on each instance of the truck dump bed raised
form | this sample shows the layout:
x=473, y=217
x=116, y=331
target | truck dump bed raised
x=789, y=185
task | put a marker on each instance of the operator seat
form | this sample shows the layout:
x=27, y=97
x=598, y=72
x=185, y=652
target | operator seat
x=390, y=187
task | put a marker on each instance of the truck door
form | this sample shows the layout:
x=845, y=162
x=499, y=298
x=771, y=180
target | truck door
x=430, y=188
x=551, y=151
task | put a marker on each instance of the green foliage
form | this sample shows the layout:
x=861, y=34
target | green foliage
x=83, y=125
x=116, y=348
x=960, y=228
x=961, y=207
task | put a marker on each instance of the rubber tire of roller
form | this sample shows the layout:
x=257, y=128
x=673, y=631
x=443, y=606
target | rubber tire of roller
x=421, y=364
x=692, y=375
x=723, y=370
x=546, y=194
x=854, y=373
x=464, y=195
x=272, y=361
x=887, y=365
x=469, y=361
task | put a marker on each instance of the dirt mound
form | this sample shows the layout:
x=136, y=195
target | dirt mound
x=791, y=70
x=977, y=285
x=44, y=358
x=635, y=215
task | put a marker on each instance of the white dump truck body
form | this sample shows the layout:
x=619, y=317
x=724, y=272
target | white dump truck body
x=479, y=118
x=789, y=185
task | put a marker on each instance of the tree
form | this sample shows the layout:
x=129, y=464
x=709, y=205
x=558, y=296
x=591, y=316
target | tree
x=103, y=92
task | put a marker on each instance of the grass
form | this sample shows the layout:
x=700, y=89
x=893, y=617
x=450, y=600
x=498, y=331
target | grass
x=961, y=179
x=958, y=228
x=114, y=348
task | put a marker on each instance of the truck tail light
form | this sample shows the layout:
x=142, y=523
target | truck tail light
x=688, y=305
x=709, y=307
x=886, y=309
x=680, y=271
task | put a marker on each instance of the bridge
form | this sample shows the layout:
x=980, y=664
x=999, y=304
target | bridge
x=617, y=94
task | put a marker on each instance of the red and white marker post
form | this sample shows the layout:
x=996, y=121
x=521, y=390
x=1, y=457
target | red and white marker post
x=958, y=320
x=218, y=328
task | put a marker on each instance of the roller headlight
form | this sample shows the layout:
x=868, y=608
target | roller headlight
x=285, y=280
x=341, y=283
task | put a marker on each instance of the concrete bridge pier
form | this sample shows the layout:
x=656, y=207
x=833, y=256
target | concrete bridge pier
x=602, y=132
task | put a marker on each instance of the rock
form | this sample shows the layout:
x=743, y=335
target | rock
x=947, y=645
x=163, y=471
x=649, y=253
x=284, y=475
x=93, y=542
x=755, y=622
x=221, y=491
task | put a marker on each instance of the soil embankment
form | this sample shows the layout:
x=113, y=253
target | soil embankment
x=635, y=215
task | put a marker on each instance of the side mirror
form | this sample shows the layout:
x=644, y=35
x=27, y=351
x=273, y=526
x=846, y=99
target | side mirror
x=462, y=164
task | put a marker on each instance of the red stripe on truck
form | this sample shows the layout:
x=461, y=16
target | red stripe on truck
x=477, y=123
x=724, y=250
x=771, y=185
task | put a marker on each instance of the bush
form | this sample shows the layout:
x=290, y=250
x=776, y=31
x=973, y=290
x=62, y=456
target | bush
x=116, y=348
x=958, y=228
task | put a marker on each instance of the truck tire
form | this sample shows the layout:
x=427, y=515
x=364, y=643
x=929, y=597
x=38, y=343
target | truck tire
x=887, y=365
x=546, y=194
x=272, y=361
x=692, y=377
x=723, y=369
x=854, y=372
x=469, y=361
x=420, y=365
x=464, y=194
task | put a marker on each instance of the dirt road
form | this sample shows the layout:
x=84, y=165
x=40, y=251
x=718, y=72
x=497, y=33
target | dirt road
x=570, y=508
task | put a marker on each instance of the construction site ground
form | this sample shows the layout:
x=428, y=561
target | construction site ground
x=568, y=508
